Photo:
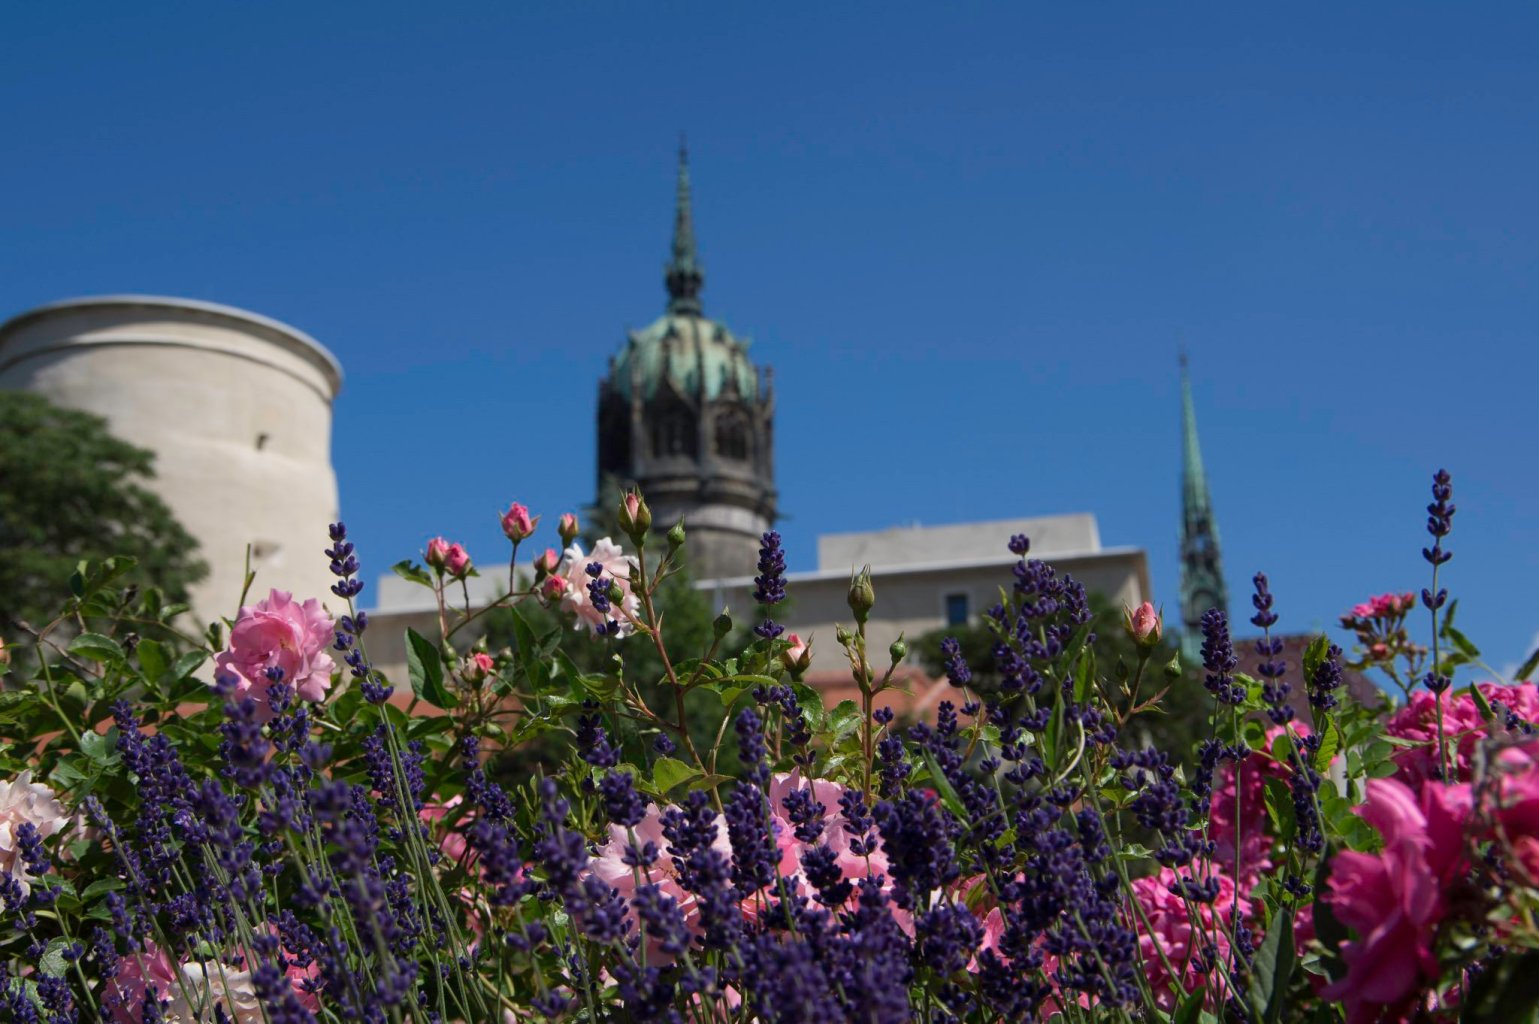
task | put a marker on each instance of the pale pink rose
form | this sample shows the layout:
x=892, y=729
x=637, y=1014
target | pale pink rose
x=617, y=567
x=279, y=633
x=123, y=994
x=23, y=801
x=567, y=527
x=1463, y=726
x=517, y=523
x=609, y=865
x=835, y=835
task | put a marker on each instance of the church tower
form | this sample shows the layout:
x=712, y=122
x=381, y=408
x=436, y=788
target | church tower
x=686, y=416
x=1202, y=573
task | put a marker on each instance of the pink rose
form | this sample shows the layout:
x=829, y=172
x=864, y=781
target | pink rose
x=1463, y=726
x=279, y=633
x=23, y=801
x=124, y=992
x=797, y=657
x=476, y=667
x=567, y=527
x=457, y=561
x=834, y=835
x=1144, y=625
x=1171, y=929
x=516, y=523
x=1394, y=899
x=1250, y=804
x=615, y=568
x=554, y=588
x=546, y=562
x=437, y=554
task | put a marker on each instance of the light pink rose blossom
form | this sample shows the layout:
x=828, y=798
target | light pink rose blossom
x=190, y=991
x=23, y=801
x=279, y=633
x=575, y=599
x=1144, y=625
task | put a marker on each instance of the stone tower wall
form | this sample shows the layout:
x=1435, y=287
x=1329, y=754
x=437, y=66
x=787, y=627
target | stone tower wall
x=236, y=407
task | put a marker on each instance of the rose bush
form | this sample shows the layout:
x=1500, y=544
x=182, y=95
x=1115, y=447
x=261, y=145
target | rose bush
x=255, y=825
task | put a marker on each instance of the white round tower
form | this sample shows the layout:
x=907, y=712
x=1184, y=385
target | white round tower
x=236, y=407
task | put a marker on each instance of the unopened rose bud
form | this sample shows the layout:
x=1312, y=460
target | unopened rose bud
x=798, y=657
x=898, y=651
x=1173, y=667
x=554, y=588
x=616, y=595
x=843, y=636
x=676, y=536
x=723, y=624
x=567, y=527
x=437, y=554
x=635, y=518
x=517, y=524
x=1144, y=625
x=476, y=667
x=546, y=562
x=862, y=596
x=457, y=561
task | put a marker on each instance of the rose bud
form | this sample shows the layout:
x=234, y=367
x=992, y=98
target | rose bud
x=862, y=596
x=798, y=657
x=567, y=527
x=1144, y=625
x=476, y=667
x=554, y=588
x=437, y=553
x=635, y=518
x=457, y=561
x=545, y=563
x=517, y=524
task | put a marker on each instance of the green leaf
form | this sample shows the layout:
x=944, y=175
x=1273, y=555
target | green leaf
x=425, y=667
x=1460, y=641
x=1330, y=743
x=52, y=963
x=669, y=772
x=808, y=699
x=411, y=571
x=100, y=749
x=844, y=719
x=1190, y=1009
x=1279, y=808
x=188, y=663
x=1314, y=655
x=1481, y=703
x=1272, y=969
x=948, y=795
x=1526, y=670
x=152, y=659
x=101, y=887
x=1084, y=677
x=95, y=647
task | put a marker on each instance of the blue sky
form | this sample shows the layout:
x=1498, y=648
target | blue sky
x=970, y=240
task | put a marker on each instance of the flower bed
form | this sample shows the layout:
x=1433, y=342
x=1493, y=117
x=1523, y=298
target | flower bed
x=253, y=826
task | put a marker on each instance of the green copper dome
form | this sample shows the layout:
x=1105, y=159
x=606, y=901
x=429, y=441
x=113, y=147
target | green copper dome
x=700, y=358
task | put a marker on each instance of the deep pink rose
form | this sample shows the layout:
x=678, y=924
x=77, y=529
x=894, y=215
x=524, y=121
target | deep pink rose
x=279, y=633
x=437, y=553
x=1463, y=725
x=457, y=561
x=517, y=523
x=1171, y=928
x=1394, y=899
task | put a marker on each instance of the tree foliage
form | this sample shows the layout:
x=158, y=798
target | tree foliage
x=70, y=491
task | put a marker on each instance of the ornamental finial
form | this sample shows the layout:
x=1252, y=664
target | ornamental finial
x=685, y=276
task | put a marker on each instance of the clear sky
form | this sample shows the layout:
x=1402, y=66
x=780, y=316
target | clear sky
x=969, y=238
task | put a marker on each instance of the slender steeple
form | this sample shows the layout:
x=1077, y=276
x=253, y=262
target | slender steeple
x=685, y=276
x=1202, y=573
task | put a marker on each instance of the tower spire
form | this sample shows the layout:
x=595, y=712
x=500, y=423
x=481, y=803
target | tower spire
x=685, y=275
x=1202, y=574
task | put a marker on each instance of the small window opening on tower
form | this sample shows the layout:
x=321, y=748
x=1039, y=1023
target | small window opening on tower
x=732, y=438
x=956, y=609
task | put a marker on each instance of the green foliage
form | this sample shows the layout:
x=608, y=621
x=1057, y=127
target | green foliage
x=1177, y=720
x=70, y=491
